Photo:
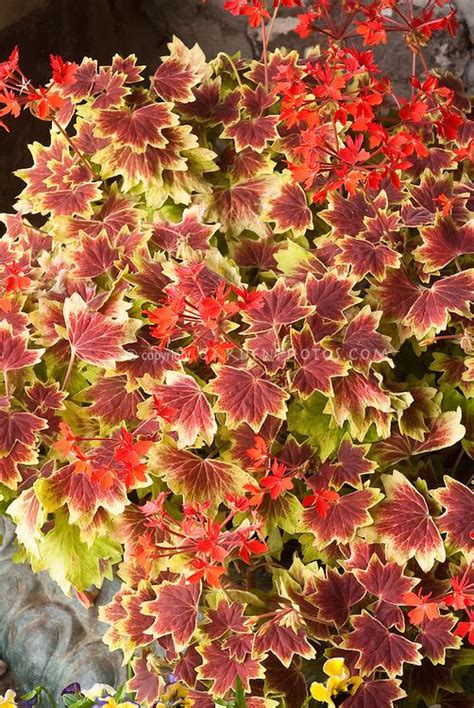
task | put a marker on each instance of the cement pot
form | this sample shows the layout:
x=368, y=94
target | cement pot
x=45, y=637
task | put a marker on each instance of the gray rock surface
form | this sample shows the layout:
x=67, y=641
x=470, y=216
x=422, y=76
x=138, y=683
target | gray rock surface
x=45, y=637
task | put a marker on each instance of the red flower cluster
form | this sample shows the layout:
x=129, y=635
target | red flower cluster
x=17, y=92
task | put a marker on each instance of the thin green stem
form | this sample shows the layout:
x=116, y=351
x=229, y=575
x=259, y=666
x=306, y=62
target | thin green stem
x=7, y=386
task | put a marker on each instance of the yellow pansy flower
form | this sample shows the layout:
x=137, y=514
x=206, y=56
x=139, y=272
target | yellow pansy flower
x=175, y=694
x=110, y=702
x=339, y=681
x=9, y=699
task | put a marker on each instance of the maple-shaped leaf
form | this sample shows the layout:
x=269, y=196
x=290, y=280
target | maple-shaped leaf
x=245, y=396
x=316, y=365
x=330, y=295
x=175, y=611
x=274, y=308
x=380, y=648
x=95, y=256
x=252, y=132
x=405, y=526
x=211, y=105
x=444, y=242
x=361, y=344
x=239, y=207
x=335, y=595
x=96, y=338
x=381, y=693
x=443, y=431
x=82, y=495
x=14, y=352
x=343, y=518
x=197, y=479
x=396, y=294
x=18, y=438
x=133, y=626
x=116, y=211
x=185, y=669
x=347, y=215
x=112, y=401
x=361, y=401
x=436, y=636
x=227, y=617
x=390, y=615
x=282, y=641
x=366, y=257
x=385, y=581
x=192, y=415
x=147, y=683
x=351, y=464
x=290, y=211
x=289, y=682
x=458, y=519
x=72, y=562
x=432, y=306
x=223, y=670
x=138, y=127
x=127, y=622
x=414, y=419
x=190, y=231
x=180, y=72
x=28, y=516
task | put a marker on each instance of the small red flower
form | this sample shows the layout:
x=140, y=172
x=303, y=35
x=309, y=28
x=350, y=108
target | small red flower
x=423, y=608
x=466, y=628
x=276, y=483
x=63, y=71
x=321, y=500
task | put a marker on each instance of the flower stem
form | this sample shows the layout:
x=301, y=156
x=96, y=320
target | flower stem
x=234, y=68
x=74, y=147
x=265, y=53
x=72, y=359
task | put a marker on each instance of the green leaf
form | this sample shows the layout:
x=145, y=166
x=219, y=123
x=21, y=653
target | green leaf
x=307, y=418
x=70, y=561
